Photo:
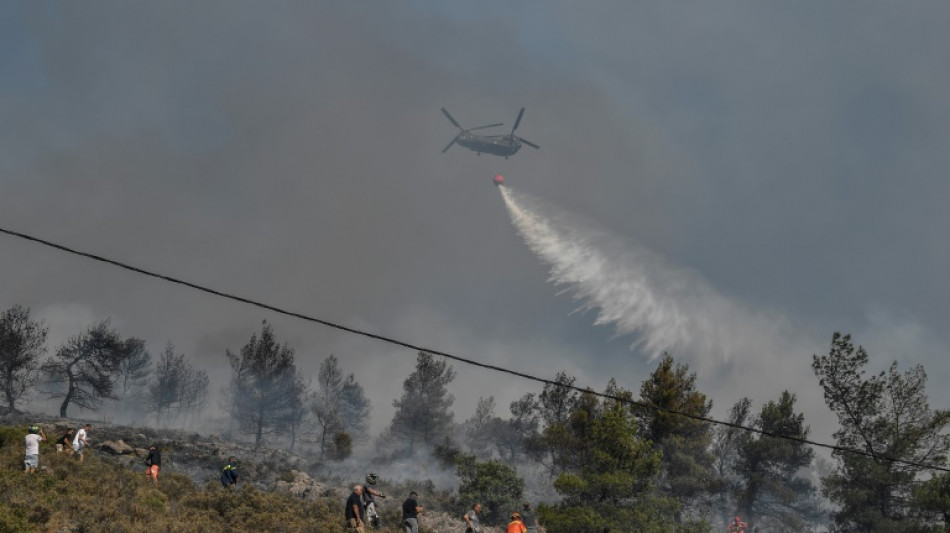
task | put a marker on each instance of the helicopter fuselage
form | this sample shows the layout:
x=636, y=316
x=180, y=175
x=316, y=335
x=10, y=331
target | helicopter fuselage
x=501, y=145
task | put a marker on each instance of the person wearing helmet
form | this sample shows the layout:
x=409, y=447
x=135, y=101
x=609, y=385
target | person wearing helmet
x=33, y=439
x=737, y=526
x=369, y=504
x=516, y=525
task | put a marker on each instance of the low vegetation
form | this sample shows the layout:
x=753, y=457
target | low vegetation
x=99, y=496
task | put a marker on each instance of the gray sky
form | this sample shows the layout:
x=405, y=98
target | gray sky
x=790, y=157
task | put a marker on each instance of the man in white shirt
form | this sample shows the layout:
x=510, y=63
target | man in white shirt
x=81, y=440
x=33, y=439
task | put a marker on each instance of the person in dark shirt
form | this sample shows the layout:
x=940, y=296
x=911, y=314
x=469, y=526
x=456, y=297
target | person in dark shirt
x=529, y=518
x=65, y=443
x=354, y=510
x=154, y=463
x=410, y=513
x=229, y=474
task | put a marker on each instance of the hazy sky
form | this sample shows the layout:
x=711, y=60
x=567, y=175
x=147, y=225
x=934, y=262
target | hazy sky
x=789, y=158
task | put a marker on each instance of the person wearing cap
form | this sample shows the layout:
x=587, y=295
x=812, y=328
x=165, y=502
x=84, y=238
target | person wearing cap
x=516, y=525
x=33, y=439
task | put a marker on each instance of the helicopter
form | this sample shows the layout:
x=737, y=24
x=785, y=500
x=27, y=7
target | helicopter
x=501, y=145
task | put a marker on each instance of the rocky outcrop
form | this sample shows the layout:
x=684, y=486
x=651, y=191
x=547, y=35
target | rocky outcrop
x=117, y=447
x=302, y=485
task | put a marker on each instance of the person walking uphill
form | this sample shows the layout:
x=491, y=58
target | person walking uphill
x=229, y=474
x=65, y=443
x=354, y=510
x=81, y=440
x=32, y=457
x=471, y=519
x=154, y=463
x=410, y=513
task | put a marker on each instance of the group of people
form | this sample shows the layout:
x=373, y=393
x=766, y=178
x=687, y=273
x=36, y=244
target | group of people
x=361, y=510
x=361, y=505
x=520, y=522
x=72, y=442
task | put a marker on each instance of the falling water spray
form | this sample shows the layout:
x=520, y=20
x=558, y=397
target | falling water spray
x=663, y=307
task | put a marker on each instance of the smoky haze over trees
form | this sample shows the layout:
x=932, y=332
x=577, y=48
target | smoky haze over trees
x=83, y=370
x=131, y=376
x=22, y=343
x=629, y=465
x=176, y=389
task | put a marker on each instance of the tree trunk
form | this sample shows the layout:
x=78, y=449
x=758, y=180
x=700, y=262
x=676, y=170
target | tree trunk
x=260, y=431
x=8, y=392
x=68, y=398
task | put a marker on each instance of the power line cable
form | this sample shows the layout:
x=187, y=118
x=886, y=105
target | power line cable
x=472, y=362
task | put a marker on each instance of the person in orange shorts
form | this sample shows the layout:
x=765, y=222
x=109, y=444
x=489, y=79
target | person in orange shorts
x=154, y=463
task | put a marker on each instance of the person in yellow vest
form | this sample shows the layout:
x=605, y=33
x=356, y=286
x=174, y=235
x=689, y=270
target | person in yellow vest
x=516, y=525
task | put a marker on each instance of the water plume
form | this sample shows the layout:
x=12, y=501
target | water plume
x=664, y=307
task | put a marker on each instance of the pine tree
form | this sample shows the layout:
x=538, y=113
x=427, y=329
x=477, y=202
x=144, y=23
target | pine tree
x=263, y=391
x=423, y=415
x=86, y=366
x=888, y=417
x=176, y=388
x=683, y=442
x=22, y=342
x=771, y=487
x=339, y=405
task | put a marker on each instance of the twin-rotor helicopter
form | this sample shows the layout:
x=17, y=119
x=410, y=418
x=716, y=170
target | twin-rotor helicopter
x=500, y=145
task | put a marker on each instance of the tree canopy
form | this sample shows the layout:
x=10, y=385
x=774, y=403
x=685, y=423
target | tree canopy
x=22, y=343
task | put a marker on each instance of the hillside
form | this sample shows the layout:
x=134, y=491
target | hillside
x=109, y=493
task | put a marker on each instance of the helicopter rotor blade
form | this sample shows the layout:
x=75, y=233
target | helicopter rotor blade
x=451, y=143
x=488, y=126
x=452, y=120
x=529, y=143
x=518, y=121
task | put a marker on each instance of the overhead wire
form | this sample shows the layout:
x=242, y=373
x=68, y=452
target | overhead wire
x=472, y=362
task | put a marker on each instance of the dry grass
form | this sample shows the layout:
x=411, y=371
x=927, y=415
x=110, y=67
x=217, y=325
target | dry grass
x=98, y=496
